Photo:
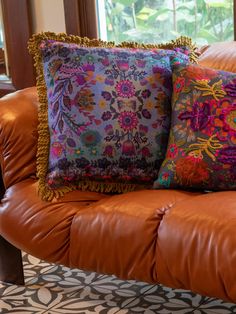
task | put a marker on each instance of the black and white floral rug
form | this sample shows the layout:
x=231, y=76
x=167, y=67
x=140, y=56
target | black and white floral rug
x=59, y=290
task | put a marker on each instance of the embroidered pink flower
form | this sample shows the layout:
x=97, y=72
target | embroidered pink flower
x=122, y=65
x=125, y=89
x=56, y=149
x=128, y=148
x=128, y=120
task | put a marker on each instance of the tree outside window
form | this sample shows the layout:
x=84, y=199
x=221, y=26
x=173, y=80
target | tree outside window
x=205, y=21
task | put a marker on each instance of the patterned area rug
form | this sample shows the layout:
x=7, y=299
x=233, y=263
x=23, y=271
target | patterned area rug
x=56, y=289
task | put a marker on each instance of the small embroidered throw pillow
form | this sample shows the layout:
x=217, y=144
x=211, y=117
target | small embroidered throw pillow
x=104, y=113
x=201, y=152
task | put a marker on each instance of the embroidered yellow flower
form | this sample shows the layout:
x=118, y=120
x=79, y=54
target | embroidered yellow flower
x=215, y=89
x=149, y=104
x=100, y=78
x=209, y=146
x=102, y=103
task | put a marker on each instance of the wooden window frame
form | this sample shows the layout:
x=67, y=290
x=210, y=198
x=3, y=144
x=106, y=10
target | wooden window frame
x=17, y=29
x=81, y=18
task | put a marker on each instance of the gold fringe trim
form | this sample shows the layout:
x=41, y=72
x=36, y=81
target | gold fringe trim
x=45, y=192
x=179, y=42
x=106, y=187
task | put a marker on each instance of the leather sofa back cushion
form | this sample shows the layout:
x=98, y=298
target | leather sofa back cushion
x=201, y=152
x=108, y=112
x=18, y=135
x=221, y=56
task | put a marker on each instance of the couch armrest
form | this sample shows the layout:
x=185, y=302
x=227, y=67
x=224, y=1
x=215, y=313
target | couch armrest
x=18, y=136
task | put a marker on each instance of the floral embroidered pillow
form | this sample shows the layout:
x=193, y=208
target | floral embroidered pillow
x=104, y=115
x=201, y=152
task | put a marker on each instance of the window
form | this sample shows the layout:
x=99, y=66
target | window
x=206, y=21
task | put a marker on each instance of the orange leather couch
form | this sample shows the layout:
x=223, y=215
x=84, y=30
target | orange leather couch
x=177, y=238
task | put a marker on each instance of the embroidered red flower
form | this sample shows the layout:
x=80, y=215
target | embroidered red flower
x=190, y=171
x=128, y=120
x=125, y=89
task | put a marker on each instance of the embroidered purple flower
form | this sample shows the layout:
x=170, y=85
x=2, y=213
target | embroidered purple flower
x=143, y=82
x=199, y=116
x=146, y=93
x=128, y=120
x=109, y=82
x=71, y=142
x=140, y=63
x=125, y=89
x=88, y=67
x=231, y=88
x=109, y=151
x=157, y=69
x=146, y=114
x=90, y=138
x=80, y=79
x=109, y=129
x=106, y=115
x=227, y=155
x=122, y=65
x=106, y=95
x=128, y=148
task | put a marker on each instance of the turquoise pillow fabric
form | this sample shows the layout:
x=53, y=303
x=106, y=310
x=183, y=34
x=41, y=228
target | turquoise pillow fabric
x=104, y=115
x=201, y=153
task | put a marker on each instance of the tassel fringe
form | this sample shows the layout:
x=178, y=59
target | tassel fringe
x=108, y=187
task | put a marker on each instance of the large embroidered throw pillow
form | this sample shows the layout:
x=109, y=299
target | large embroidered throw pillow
x=201, y=152
x=104, y=114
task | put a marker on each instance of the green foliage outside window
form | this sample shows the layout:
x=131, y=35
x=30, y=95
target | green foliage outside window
x=205, y=21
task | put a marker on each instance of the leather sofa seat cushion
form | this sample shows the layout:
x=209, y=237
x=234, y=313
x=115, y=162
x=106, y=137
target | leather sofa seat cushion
x=220, y=56
x=118, y=235
x=92, y=231
x=196, y=245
